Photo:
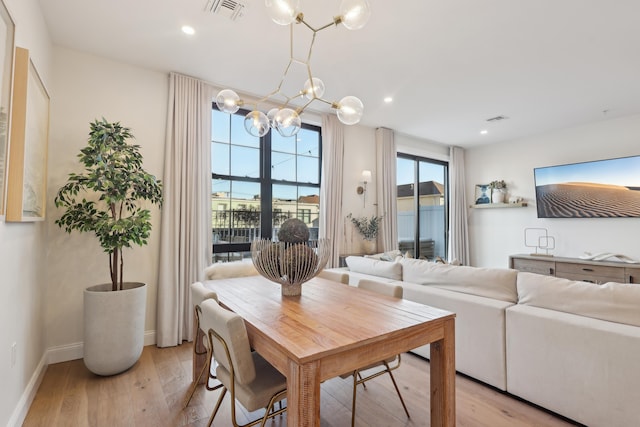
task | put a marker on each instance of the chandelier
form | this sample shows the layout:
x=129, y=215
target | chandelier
x=354, y=14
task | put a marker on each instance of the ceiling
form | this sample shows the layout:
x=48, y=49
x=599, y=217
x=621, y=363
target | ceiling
x=448, y=64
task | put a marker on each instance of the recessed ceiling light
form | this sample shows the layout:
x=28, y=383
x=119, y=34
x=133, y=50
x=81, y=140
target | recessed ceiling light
x=484, y=132
x=188, y=29
x=388, y=99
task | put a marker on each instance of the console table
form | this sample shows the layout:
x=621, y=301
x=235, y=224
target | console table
x=577, y=269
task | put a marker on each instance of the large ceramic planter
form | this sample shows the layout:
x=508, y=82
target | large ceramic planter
x=113, y=327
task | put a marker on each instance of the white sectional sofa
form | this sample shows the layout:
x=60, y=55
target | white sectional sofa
x=571, y=347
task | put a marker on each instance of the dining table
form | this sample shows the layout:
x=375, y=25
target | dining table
x=331, y=329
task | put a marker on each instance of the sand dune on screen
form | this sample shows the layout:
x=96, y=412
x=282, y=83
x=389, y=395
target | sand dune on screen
x=587, y=200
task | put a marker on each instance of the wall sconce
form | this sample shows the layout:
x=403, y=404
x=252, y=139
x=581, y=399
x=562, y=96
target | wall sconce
x=366, y=177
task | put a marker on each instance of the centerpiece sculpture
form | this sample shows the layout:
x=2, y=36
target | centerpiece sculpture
x=292, y=260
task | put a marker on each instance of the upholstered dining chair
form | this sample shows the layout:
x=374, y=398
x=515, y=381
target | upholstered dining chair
x=251, y=380
x=387, y=365
x=200, y=293
x=335, y=276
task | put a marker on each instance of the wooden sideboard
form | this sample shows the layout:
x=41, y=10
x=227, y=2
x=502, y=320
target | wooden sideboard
x=577, y=269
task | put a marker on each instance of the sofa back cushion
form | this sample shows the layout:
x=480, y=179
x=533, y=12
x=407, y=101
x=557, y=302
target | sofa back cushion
x=615, y=302
x=496, y=283
x=375, y=267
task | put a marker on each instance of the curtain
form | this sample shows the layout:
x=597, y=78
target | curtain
x=185, y=242
x=458, y=229
x=386, y=189
x=331, y=185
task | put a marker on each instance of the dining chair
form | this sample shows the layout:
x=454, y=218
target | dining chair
x=200, y=293
x=389, y=364
x=335, y=276
x=252, y=381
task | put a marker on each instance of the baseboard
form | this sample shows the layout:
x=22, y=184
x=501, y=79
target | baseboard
x=23, y=405
x=58, y=354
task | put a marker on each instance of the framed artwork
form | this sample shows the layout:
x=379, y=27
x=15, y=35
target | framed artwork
x=482, y=194
x=26, y=185
x=7, y=31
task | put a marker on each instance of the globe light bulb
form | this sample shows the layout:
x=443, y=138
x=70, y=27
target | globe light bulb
x=355, y=13
x=271, y=115
x=349, y=110
x=228, y=101
x=313, y=90
x=256, y=123
x=283, y=12
x=288, y=122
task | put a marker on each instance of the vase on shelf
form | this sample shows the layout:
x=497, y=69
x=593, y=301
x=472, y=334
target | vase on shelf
x=497, y=196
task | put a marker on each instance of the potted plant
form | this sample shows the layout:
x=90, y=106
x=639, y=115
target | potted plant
x=498, y=188
x=105, y=199
x=368, y=228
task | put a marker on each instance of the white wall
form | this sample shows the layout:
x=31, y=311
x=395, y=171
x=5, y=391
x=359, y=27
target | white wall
x=88, y=88
x=497, y=233
x=22, y=251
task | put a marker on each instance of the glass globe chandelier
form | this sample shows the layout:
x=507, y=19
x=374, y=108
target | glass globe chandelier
x=354, y=14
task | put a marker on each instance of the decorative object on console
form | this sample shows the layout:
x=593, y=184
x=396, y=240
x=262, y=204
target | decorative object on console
x=597, y=189
x=539, y=238
x=368, y=228
x=354, y=14
x=366, y=177
x=608, y=256
x=291, y=261
x=498, y=190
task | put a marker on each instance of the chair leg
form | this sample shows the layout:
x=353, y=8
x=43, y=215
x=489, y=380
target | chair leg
x=215, y=410
x=397, y=389
x=194, y=385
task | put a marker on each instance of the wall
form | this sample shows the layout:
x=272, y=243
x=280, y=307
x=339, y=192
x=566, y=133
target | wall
x=22, y=253
x=494, y=234
x=89, y=88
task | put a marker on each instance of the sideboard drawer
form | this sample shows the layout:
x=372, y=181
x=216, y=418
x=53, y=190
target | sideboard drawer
x=534, y=266
x=597, y=273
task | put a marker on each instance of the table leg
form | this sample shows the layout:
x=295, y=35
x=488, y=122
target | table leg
x=443, y=378
x=303, y=395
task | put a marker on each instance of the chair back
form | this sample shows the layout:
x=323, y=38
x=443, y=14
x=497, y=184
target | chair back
x=335, y=276
x=200, y=293
x=381, y=288
x=229, y=340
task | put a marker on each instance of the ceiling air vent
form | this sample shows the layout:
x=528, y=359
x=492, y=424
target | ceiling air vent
x=229, y=8
x=497, y=118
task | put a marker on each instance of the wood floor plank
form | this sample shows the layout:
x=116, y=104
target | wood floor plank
x=151, y=393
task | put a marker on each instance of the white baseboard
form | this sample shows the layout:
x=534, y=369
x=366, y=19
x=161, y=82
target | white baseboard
x=22, y=408
x=58, y=354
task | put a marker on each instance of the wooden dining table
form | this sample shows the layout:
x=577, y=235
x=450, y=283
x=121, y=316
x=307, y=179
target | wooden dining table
x=332, y=329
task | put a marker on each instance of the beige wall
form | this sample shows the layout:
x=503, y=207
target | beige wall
x=22, y=252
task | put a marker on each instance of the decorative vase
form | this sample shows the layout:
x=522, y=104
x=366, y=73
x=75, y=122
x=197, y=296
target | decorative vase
x=370, y=247
x=289, y=264
x=113, y=327
x=497, y=196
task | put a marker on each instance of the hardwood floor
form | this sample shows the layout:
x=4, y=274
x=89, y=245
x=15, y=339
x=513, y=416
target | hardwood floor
x=151, y=394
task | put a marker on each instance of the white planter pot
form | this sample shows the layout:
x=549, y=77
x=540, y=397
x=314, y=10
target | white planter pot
x=113, y=327
x=497, y=196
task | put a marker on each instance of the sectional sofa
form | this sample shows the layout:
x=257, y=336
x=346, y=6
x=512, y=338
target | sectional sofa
x=571, y=347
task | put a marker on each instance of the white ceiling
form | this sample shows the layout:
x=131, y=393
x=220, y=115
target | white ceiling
x=448, y=64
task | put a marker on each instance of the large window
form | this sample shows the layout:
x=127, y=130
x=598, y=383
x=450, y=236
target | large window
x=258, y=183
x=422, y=206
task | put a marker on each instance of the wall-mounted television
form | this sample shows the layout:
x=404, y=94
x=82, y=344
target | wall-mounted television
x=598, y=189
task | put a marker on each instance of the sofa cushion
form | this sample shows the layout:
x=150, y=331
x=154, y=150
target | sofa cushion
x=615, y=302
x=375, y=267
x=496, y=283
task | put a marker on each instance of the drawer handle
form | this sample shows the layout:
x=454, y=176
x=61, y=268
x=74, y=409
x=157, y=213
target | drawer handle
x=587, y=269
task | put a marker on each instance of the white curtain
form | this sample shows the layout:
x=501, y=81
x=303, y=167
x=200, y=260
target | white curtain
x=458, y=229
x=185, y=244
x=386, y=189
x=331, y=185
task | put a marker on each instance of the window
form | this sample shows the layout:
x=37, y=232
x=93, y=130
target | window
x=258, y=183
x=422, y=206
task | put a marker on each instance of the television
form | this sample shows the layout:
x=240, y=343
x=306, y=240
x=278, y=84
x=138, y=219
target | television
x=596, y=189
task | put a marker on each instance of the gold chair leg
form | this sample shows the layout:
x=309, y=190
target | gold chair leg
x=194, y=385
x=397, y=389
x=215, y=410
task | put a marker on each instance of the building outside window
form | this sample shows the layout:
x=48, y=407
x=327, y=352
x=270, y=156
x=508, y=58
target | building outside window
x=423, y=198
x=258, y=183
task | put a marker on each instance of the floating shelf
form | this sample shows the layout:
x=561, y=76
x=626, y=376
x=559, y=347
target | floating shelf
x=499, y=205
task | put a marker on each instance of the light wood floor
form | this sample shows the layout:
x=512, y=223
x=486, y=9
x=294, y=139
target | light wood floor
x=151, y=394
